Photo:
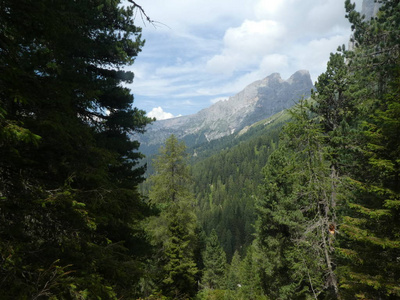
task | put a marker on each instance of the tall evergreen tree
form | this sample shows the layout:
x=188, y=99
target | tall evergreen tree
x=370, y=244
x=214, y=264
x=332, y=102
x=250, y=282
x=296, y=213
x=233, y=280
x=180, y=269
x=173, y=230
x=172, y=179
x=69, y=205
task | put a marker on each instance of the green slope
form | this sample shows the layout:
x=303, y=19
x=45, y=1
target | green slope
x=227, y=174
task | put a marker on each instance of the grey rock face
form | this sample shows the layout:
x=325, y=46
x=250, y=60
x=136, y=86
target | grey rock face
x=369, y=8
x=256, y=102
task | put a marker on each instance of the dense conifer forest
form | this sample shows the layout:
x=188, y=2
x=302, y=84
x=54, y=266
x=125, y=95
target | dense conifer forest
x=305, y=205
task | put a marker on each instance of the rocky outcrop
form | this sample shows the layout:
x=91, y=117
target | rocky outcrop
x=370, y=8
x=256, y=102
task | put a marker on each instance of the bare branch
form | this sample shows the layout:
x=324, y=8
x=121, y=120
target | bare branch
x=142, y=12
x=144, y=16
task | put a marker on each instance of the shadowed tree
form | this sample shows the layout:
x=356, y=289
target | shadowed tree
x=69, y=206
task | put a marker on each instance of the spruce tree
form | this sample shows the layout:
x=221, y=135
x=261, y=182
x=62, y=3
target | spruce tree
x=296, y=212
x=173, y=230
x=180, y=269
x=214, y=264
x=369, y=244
x=69, y=208
x=233, y=280
x=250, y=282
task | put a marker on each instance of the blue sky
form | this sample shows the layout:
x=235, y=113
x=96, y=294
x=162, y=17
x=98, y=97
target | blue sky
x=202, y=51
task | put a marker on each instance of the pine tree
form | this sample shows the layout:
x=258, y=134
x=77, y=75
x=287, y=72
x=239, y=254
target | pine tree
x=369, y=243
x=173, y=230
x=296, y=212
x=333, y=105
x=214, y=264
x=69, y=208
x=233, y=280
x=180, y=269
x=250, y=282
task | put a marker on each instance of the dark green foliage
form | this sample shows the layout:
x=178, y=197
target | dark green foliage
x=173, y=230
x=214, y=264
x=227, y=182
x=233, y=279
x=69, y=205
x=295, y=213
x=332, y=99
x=342, y=160
x=180, y=269
x=243, y=279
x=250, y=283
x=370, y=244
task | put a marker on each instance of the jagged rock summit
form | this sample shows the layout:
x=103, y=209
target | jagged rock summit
x=256, y=102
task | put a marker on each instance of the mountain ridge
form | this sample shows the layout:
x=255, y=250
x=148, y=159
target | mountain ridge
x=257, y=101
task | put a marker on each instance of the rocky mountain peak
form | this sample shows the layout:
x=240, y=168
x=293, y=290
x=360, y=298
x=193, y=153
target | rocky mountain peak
x=257, y=101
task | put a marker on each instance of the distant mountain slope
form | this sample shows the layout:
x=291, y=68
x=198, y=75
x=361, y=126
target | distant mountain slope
x=254, y=131
x=256, y=102
x=227, y=174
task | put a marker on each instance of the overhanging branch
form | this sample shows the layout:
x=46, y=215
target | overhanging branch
x=142, y=12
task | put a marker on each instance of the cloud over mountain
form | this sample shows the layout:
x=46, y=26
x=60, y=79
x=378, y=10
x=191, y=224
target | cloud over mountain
x=159, y=114
x=202, y=50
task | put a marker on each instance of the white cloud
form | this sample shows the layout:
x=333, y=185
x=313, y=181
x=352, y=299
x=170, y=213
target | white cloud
x=208, y=49
x=272, y=62
x=314, y=55
x=252, y=37
x=159, y=114
x=184, y=15
x=245, y=45
x=267, y=8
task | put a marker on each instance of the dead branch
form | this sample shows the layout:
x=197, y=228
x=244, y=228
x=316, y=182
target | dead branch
x=142, y=12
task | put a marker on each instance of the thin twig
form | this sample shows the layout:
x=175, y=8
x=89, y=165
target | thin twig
x=144, y=16
x=143, y=13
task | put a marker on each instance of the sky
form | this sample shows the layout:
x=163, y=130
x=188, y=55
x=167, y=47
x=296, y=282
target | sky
x=198, y=52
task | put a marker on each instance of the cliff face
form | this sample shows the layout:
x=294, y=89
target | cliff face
x=369, y=9
x=256, y=102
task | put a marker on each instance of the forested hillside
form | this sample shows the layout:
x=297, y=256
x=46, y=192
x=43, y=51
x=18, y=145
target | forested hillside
x=327, y=213
x=226, y=180
x=226, y=184
x=303, y=205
